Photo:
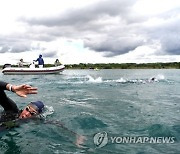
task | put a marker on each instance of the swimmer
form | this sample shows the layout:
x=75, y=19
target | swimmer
x=12, y=116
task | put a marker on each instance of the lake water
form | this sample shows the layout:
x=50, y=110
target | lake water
x=116, y=104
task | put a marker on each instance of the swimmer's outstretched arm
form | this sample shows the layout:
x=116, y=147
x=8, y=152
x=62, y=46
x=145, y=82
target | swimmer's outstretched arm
x=22, y=90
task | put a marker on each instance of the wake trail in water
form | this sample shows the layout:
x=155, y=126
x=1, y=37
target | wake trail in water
x=94, y=80
x=91, y=79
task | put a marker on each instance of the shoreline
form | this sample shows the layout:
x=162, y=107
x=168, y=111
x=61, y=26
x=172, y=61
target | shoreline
x=97, y=66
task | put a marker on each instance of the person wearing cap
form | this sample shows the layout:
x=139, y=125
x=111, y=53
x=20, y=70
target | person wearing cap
x=14, y=116
x=32, y=109
x=21, y=90
x=40, y=61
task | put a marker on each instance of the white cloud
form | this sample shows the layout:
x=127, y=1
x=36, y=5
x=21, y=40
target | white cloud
x=83, y=31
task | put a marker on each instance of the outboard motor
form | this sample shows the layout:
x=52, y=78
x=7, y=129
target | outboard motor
x=6, y=65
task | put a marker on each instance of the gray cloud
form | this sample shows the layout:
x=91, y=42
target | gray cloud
x=85, y=15
x=17, y=43
x=78, y=23
x=50, y=54
x=20, y=47
x=114, y=46
x=4, y=48
x=109, y=26
x=167, y=33
x=14, y=44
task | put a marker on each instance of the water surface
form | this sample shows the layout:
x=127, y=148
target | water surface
x=119, y=102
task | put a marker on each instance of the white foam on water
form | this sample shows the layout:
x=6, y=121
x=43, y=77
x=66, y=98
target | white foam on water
x=160, y=77
x=94, y=80
x=121, y=80
x=77, y=103
x=48, y=110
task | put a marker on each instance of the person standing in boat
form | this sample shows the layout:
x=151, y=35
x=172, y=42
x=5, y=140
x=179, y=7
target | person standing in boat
x=40, y=61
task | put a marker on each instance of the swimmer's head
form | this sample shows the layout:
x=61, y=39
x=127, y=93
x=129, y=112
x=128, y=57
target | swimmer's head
x=32, y=109
x=153, y=78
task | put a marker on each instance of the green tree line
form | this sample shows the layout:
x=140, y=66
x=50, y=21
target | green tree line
x=175, y=65
x=172, y=65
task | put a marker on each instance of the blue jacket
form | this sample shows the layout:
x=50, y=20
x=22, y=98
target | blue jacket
x=40, y=61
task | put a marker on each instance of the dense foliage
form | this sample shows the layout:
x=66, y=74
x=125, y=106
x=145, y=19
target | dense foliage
x=124, y=66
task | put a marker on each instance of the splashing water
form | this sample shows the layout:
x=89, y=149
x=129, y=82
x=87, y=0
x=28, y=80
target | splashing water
x=94, y=80
x=48, y=110
x=121, y=80
x=160, y=77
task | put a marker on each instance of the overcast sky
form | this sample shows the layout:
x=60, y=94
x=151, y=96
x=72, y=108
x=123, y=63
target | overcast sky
x=90, y=31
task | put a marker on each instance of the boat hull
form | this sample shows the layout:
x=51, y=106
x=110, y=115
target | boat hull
x=32, y=71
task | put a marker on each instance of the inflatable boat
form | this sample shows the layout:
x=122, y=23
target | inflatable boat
x=32, y=70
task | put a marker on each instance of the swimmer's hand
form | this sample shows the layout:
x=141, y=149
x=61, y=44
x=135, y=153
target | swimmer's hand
x=24, y=90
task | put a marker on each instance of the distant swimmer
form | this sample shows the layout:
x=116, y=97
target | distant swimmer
x=153, y=79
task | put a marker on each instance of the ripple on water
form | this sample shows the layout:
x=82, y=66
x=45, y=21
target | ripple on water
x=89, y=122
